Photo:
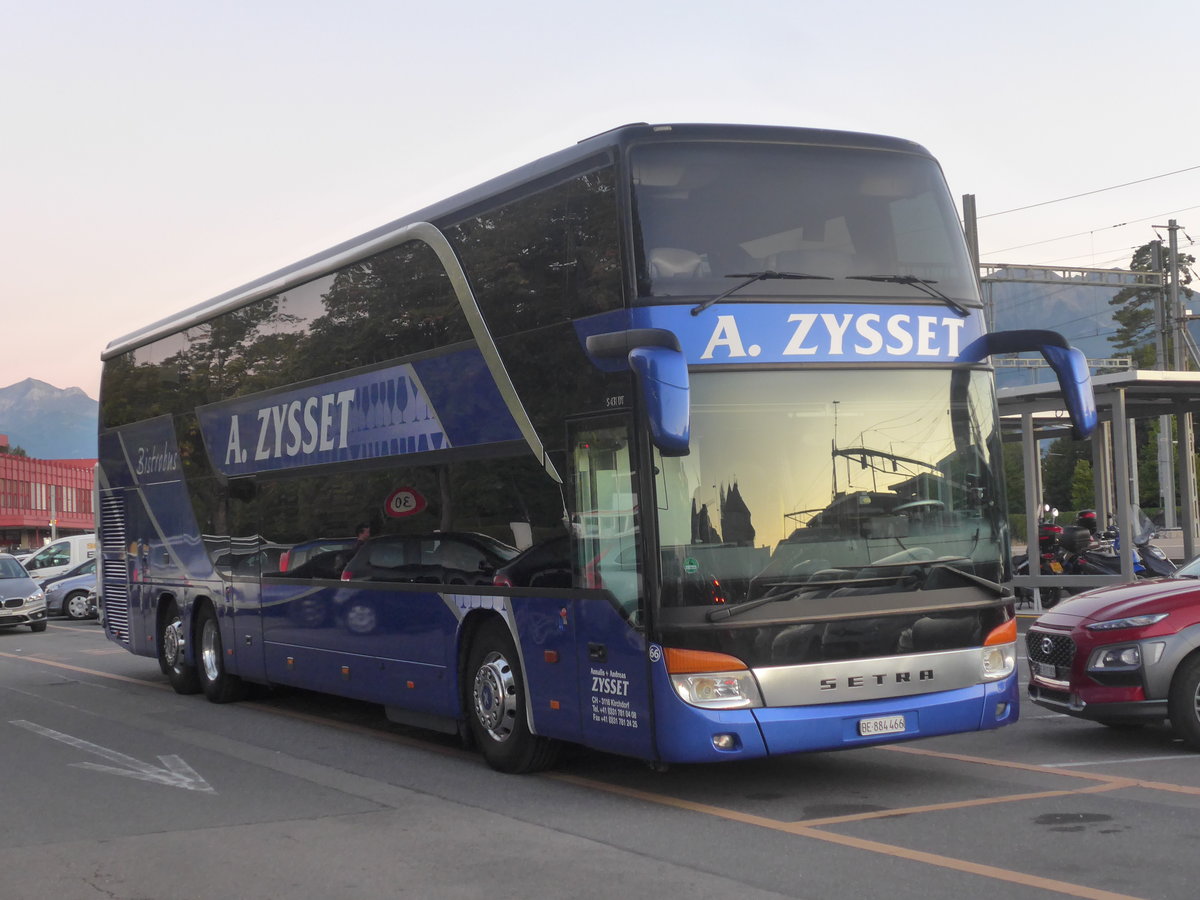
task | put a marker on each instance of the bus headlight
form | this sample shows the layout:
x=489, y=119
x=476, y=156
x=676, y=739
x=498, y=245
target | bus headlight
x=999, y=661
x=718, y=690
x=998, y=658
x=711, y=680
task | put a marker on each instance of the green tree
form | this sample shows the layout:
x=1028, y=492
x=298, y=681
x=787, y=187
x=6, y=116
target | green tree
x=1134, y=308
x=1058, y=470
x=1083, y=493
x=1014, y=477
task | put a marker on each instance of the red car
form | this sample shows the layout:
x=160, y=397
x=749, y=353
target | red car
x=1123, y=655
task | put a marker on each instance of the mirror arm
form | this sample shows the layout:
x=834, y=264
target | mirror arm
x=1069, y=365
x=661, y=371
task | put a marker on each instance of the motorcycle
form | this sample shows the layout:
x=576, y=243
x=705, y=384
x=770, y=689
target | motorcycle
x=1049, y=560
x=1084, y=552
x=1080, y=550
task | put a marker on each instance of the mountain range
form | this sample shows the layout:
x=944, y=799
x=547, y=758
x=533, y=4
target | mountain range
x=48, y=422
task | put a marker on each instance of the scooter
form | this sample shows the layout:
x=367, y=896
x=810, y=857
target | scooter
x=1083, y=552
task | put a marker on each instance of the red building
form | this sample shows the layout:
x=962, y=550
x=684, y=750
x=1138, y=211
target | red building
x=43, y=498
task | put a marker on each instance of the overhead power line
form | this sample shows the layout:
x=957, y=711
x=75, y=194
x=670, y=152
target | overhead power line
x=1065, y=237
x=1089, y=193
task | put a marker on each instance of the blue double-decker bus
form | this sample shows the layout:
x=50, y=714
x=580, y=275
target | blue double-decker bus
x=680, y=443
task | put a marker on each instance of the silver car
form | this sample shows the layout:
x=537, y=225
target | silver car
x=22, y=602
x=68, y=596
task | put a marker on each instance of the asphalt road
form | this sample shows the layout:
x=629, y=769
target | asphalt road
x=116, y=787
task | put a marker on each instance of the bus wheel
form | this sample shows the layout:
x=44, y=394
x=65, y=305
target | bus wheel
x=172, y=658
x=219, y=686
x=496, y=701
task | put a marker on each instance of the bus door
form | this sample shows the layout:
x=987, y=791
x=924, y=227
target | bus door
x=613, y=666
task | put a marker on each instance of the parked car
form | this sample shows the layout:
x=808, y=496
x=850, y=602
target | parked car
x=61, y=556
x=87, y=567
x=68, y=595
x=298, y=555
x=22, y=602
x=442, y=557
x=544, y=565
x=1123, y=655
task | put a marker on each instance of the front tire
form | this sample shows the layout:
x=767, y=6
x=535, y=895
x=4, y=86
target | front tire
x=172, y=652
x=75, y=606
x=35, y=627
x=496, y=705
x=1183, y=703
x=219, y=686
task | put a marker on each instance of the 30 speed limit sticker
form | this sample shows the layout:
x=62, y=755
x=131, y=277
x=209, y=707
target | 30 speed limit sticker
x=403, y=502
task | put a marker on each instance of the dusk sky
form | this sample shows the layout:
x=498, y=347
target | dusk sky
x=158, y=153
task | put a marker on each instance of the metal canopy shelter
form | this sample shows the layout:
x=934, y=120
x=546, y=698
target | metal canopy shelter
x=1035, y=413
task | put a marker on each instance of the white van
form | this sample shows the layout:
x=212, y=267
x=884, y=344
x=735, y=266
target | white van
x=60, y=556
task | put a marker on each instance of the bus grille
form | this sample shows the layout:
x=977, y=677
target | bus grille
x=114, y=567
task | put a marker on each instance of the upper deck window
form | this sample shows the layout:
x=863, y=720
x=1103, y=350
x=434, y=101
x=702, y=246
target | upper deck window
x=707, y=211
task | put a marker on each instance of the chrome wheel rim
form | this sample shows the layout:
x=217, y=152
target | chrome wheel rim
x=173, y=643
x=495, y=695
x=210, y=650
x=77, y=607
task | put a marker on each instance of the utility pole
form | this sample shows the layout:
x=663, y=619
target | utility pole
x=1166, y=458
x=1187, y=441
x=1177, y=320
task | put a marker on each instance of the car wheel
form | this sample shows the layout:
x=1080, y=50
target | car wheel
x=172, y=652
x=1183, y=703
x=496, y=705
x=219, y=686
x=37, y=626
x=75, y=606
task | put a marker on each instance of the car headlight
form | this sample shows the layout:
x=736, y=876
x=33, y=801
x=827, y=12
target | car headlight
x=38, y=596
x=1117, y=658
x=1127, y=622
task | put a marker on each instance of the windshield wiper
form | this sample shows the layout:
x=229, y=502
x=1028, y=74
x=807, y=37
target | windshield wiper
x=750, y=278
x=728, y=612
x=998, y=589
x=921, y=284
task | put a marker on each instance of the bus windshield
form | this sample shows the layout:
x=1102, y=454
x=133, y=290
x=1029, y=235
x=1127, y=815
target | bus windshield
x=858, y=223
x=830, y=485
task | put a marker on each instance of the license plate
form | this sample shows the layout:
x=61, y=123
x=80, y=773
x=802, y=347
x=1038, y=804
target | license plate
x=1056, y=567
x=1045, y=670
x=881, y=725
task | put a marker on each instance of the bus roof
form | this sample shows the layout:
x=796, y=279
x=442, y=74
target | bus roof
x=605, y=142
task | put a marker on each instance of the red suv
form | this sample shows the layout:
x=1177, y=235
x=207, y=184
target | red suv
x=1123, y=655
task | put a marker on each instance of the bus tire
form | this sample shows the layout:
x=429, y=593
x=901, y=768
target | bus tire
x=1183, y=702
x=172, y=651
x=219, y=686
x=496, y=702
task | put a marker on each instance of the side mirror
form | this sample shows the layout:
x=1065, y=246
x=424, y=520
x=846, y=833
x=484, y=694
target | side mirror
x=1069, y=365
x=662, y=378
